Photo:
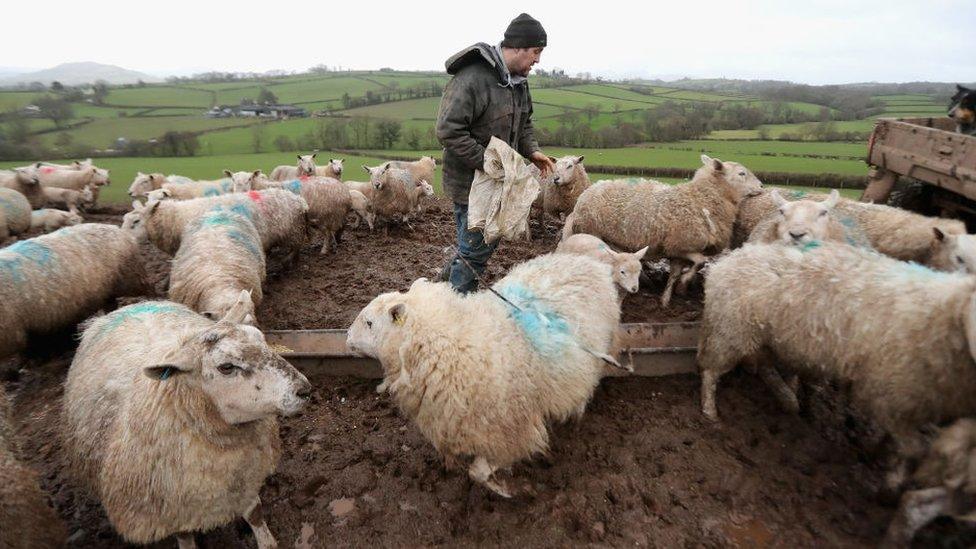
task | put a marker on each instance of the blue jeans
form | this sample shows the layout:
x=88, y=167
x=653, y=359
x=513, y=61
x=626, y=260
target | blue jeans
x=472, y=247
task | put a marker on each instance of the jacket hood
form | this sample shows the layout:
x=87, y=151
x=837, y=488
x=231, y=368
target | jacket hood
x=472, y=54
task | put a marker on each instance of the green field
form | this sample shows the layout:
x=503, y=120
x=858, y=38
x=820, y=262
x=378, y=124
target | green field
x=159, y=96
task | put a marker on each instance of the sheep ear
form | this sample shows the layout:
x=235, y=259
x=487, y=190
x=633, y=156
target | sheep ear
x=418, y=281
x=314, y=155
x=554, y=159
x=365, y=167
x=832, y=199
x=228, y=173
x=777, y=198
x=151, y=177
x=256, y=173
x=342, y=160
x=939, y=235
x=243, y=307
x=38, y=165
x=150, y=208
x=299, y=156
x=579, y=159
x=398, y=313
x=162, y=372
x=639, y=254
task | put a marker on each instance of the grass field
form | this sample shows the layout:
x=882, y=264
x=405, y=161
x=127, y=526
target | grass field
x=103, y=132
x=159, y=96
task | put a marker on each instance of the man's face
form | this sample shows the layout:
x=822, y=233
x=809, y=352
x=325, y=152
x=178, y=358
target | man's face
x=524, y=59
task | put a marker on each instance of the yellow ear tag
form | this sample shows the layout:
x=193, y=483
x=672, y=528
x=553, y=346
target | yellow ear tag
x=398, y=321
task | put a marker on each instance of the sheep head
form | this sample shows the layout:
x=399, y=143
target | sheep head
x=803, y=221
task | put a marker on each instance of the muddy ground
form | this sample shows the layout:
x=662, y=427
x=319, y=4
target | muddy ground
x=641, y=467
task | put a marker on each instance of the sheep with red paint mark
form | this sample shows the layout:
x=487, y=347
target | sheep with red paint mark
x=305, y=167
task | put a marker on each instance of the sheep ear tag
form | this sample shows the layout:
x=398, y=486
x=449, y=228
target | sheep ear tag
x=161, y=372
x=397, y=314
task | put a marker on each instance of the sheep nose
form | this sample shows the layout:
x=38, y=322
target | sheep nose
x=304, y=390
x=797, y=235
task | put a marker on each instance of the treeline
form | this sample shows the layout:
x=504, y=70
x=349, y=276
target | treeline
x=393, y=92
x=348, y=133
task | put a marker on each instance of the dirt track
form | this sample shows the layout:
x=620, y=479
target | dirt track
x=641, y=468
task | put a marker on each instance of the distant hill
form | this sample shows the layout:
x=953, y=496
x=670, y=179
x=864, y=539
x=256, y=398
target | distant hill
x=72, y=74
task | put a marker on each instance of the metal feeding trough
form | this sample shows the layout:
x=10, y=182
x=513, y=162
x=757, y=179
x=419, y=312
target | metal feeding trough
x=654, y=349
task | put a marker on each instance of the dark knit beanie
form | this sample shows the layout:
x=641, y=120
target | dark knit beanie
x=524, y=32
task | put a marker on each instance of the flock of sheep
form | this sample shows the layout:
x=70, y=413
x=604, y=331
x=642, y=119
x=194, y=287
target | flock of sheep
x=170, y=406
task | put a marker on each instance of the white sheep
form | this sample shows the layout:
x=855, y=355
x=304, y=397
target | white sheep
x=74, y=179
x=16, y=210
x=364, y=187
x=51, y=220
x=27, y=182
x=198, y=189
x=892, y=231
x=944, y=484
x=953, y=252
x=69, y=199
x=305, y=167
x=27, y=518
x=625, y=267
x=54, y=280
x=279, y=215
x=333, y=169
x=903, y=335
x=329, y=201
x=144, y=183
x=800, y=222
x=684, y=223
x=442, y=365
x=362, y=207
x=420, y=191
x=169, y=419
x=420, y=169
x=391, y=194
x=220, y=255
x=561, y=189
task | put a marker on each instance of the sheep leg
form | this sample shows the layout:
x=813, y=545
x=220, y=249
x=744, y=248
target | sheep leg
x=697, y=260
x=482, y=472
x=917, y=508
x=676, y=267
x=772, y=378
x=326, y=241
x=255, y=518
x=186, y=541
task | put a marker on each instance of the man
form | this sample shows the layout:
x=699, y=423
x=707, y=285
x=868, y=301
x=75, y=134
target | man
x=488, y=96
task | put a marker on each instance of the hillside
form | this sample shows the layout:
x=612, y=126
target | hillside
x=74, y=74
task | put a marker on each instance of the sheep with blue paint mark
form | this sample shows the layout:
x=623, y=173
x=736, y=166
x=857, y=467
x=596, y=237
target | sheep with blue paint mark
x=51, y=281
x=144, y=183
x=170, y=419
x=278, y=215
x=15, y=210
x=895, y=232
x=27, y=182
x=220, y=256
x=901, y=334
x=483, y=378
x=686, y=223
x=197, y=189
x=420, y=169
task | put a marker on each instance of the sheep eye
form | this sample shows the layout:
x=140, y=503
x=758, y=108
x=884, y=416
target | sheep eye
x=823, y=213
x=959, y=259
x=227, y=368
x=369, y=323
x=782, y=212
x=742, y=174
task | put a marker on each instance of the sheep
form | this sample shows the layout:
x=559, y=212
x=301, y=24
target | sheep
x=169, y=419
x=146, y=182
x=945, y=484
x=685, y=223
x=68, y=198
x=892, y=231
x=27, y=519
x=305, y=167
x=391, y=195
x=75, y=165
x=364, y=187
x=16, y=212
x=561, y=189
x=333, y=169
x=197, y=189
x=953, y=252
x=361, y=207
x=54, y=280
x=51, y=220
x=421, y=169
x=820, y=307
x=279, y=216
x=157, y=195
x=27, y=182
x=801, y=222
x=420, y=191
x=625, y=267
x=220, y=255
x=73, y=179
x=329, y=202
x=468, y=399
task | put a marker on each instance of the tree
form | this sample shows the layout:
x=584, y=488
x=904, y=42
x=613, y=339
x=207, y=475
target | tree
x=55, y=108
x=63, y=140
x=267, y=97
x=388, y=133
x=99, y=91
x=57, y=86
x=258, y=133
x=319, y=69
x=284, y=144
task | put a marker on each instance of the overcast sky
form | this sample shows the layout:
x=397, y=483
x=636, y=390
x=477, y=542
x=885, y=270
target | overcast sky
x=817, y=41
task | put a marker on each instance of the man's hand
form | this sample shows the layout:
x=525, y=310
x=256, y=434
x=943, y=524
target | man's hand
x=543, y=162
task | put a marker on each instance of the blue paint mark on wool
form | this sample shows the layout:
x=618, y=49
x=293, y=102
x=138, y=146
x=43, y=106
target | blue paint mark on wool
x=796, y=195
x=218, y=218
x=243, y=210
x=14, y=258
x=225, y=185
x=544, y=328
x=123, y=315
x=294, y=186
x=916, y=271
x=853, y=234
x=809, y=246
x=10, y=207
x=211, y=191
x=245, y=241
